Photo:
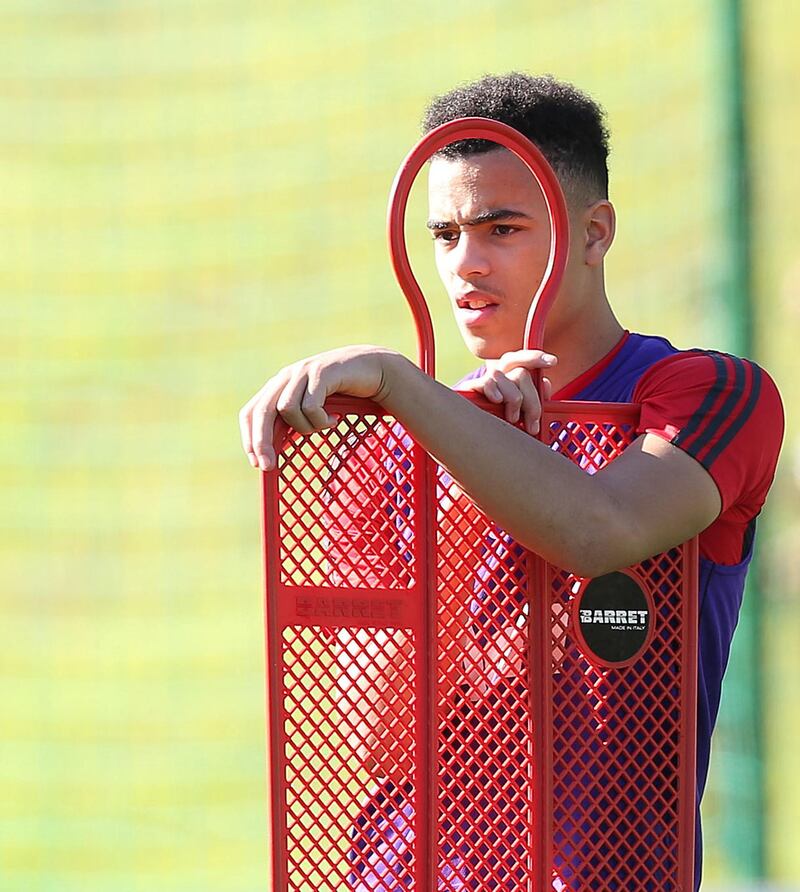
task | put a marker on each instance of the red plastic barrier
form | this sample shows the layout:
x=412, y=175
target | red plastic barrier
x=447, y=710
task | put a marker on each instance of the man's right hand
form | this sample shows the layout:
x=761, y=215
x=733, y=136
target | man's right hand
x=298, y=392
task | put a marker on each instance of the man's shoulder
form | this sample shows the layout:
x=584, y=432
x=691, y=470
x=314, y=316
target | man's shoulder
x=719, y=373
x=722, y=410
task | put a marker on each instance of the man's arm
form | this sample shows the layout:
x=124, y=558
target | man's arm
x=653, y=497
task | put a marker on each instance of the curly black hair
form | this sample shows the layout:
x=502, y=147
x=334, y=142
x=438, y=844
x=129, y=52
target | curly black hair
x=566, y=124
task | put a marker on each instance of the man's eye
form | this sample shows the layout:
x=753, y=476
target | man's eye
x=504, y=229
x=445, y=235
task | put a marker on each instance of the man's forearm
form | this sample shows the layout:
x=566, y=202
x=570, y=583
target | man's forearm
x=545, y=502
x=652, y=497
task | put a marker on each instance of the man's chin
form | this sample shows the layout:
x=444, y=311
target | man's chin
x=481, y=348
x=477, y=346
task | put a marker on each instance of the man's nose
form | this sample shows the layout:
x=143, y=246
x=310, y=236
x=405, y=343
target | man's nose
x=470, y=257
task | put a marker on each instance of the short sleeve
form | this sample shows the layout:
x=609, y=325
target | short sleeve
x=723, y=411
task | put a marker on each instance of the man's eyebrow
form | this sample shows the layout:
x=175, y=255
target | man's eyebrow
x=487, y=217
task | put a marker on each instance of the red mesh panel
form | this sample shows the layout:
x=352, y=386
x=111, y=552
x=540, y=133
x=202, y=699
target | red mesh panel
x=346, y=695
x=618, y=750
x=326, y=538
x=437, y=718
x=484, y=721
x=622, y=737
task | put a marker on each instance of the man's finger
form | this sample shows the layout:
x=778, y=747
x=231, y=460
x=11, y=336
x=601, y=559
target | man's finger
x=531, y=404
x=263, y=427
x=313, y=402
x=485, y=385
x=289, y=403
x=257, y=422
x=512, y=397
x=526, y=359
x=245, y=432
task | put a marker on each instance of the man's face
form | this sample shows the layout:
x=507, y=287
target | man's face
x=492, y=239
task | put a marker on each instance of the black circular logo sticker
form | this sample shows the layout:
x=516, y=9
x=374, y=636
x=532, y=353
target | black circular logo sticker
x=613, y=615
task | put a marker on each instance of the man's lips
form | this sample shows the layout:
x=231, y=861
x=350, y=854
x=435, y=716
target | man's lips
x=475, y=307
x=467, y=298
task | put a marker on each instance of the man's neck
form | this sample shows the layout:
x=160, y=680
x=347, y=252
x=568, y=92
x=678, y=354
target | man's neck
x=586, y=341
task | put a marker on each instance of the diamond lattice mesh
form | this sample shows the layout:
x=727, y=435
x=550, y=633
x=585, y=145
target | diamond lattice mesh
x=350, y=504
x=325, y=483
x=348, y=706
x=484, y=722
x=616, y=732
x=616, y=751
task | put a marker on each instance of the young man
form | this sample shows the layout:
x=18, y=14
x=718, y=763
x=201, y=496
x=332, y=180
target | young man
x=711, y=424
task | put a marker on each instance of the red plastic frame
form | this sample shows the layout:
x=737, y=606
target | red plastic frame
x=509, y=138
x=574, y=712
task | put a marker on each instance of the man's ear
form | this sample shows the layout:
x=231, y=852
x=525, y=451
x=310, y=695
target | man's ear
x=599, y=225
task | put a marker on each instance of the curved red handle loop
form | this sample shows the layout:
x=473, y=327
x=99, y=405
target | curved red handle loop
x=526, y=151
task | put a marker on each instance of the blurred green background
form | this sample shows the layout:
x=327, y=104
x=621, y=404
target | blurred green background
x=194, y=195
